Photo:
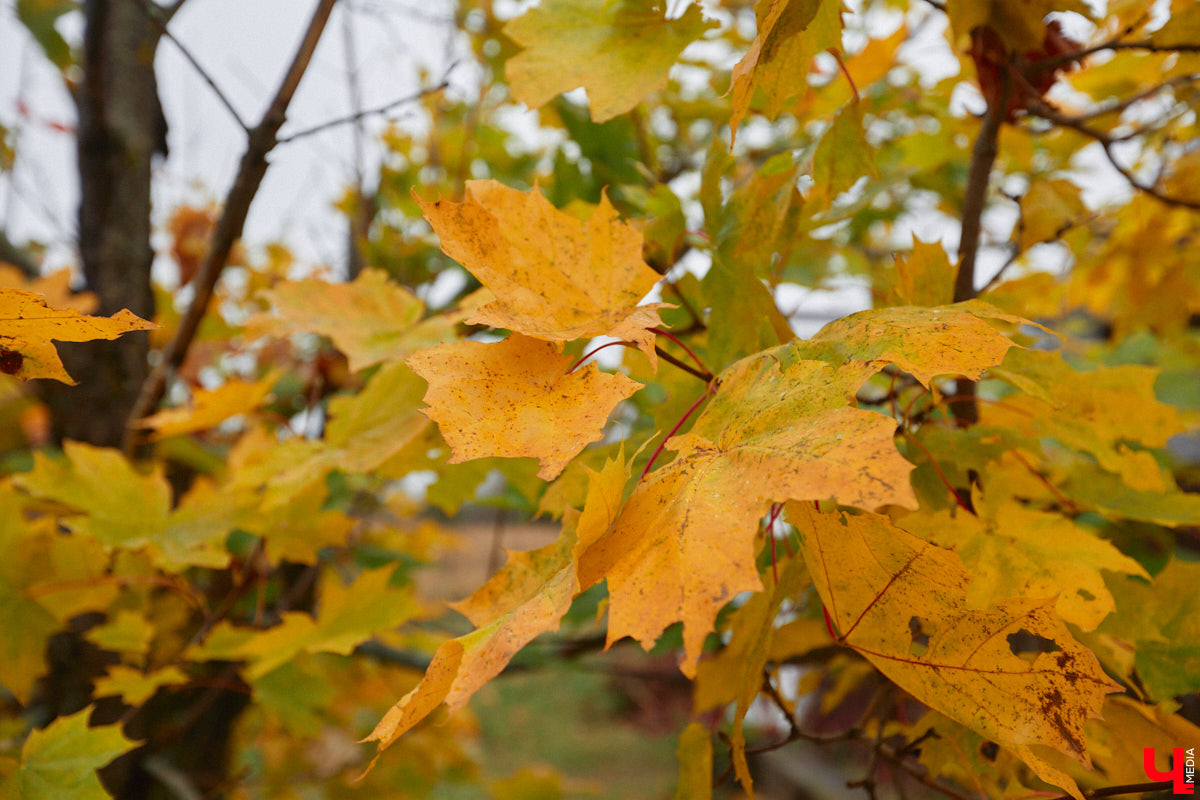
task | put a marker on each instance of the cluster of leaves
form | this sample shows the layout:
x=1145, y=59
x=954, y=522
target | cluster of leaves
x=963, y=534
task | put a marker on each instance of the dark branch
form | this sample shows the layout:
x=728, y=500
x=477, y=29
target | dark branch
x=688, y=368
x=1049, y=113
x=251, y=171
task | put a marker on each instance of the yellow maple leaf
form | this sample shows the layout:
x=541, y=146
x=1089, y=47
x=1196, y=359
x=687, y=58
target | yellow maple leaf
x=790, y=33
x=28, y=325
x=56, y=287
x=209, y=408
x=683, y=545
x=516, y=398
x=901, y=603
x=1015, y=551
x=526, y=597
x=555, y=277
x=372, y=319
x=925, y=342
x=619, y=51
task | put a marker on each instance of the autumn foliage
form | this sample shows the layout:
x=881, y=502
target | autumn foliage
x=955, y=531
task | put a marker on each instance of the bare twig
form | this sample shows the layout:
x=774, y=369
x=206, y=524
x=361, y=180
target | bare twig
x=369, y=112
x=160, y=16
x=1051, y=114
x=1146, y=94
x=251, y=171
x=1112, y=44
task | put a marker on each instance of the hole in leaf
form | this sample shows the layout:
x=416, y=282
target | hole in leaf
x=989, y=750
x=920, y=639
x=1026, y=644
x=1085, y=594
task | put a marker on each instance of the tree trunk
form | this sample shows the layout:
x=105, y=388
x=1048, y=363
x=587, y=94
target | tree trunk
x=121, y=128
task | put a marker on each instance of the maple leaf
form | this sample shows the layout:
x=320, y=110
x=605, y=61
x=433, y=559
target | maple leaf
x=61, y=760
x=364, y=432
x=925, y=342
x=348, y=616
x=843, y=155
x=372, y=319
x=135, y=687
x=925, y=277
x=27, y=326
x=210, y=408
x=683, y=544
x=525, y=598
x=790, y=34
x=124, y=509
x=883, y=588
x=1093, y=412
x=25, y=624
x=516, y=398
x=1013, y=551
x=555, y=277
x=619, y=51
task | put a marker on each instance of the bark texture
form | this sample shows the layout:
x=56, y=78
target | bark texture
x=121, y=130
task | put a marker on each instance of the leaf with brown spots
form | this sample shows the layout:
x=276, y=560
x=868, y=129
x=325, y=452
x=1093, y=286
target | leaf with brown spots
x=28, y=325
x=516, y=398
x=1013, y=672
x=555, y=277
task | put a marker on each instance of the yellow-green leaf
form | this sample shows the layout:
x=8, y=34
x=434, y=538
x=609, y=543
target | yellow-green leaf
x=61, y=760
x=371, y=319
x=790, y=33
x=619, y=50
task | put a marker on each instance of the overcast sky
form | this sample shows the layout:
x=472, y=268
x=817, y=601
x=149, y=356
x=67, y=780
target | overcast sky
x=245, y=45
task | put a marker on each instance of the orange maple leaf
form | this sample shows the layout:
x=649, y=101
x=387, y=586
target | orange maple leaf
x=516, y=398
x=555, y=277
x=683, y=545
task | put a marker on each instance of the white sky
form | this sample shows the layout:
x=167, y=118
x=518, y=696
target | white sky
x=245, y=45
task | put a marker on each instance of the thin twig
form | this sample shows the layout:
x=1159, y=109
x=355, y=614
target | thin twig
x=1140, y=96
x=1051, y=114
x=251, y=171
x=369, y=112
x=159, y=16
x=683, y=365
x=1076, y=55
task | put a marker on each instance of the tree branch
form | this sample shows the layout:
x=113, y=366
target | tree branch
x=370, y=112
x=982, y=158
x=253, y=167
x=1049, y=113
x=154, y=13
